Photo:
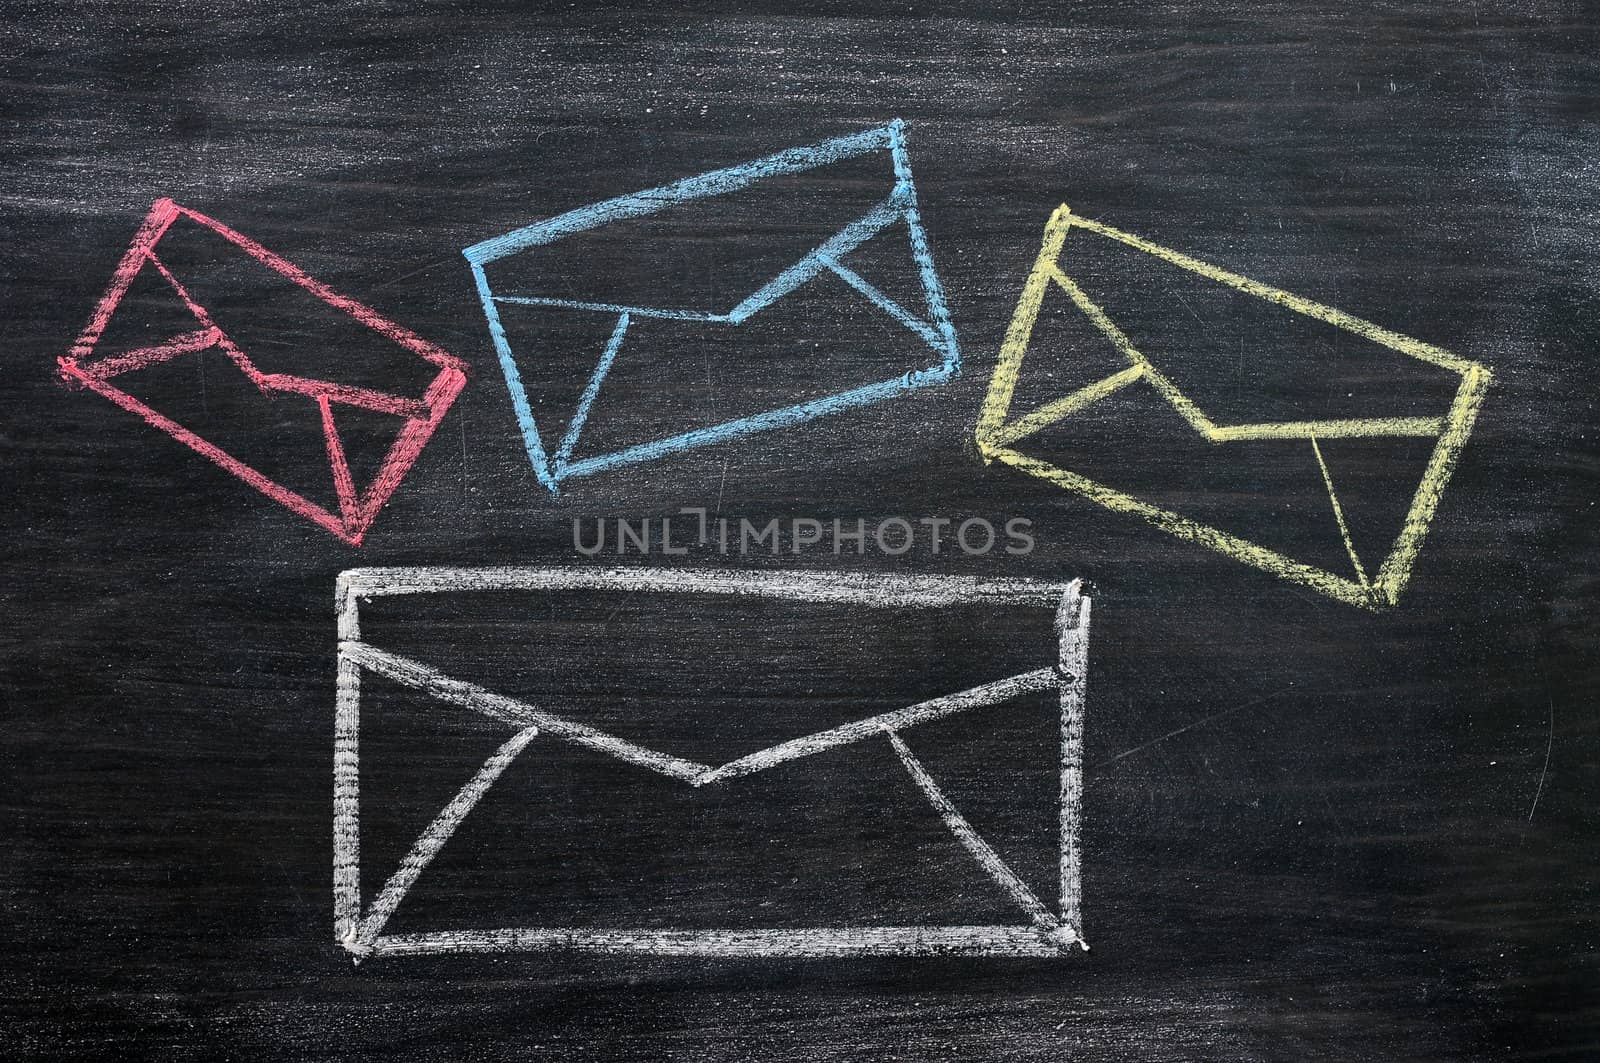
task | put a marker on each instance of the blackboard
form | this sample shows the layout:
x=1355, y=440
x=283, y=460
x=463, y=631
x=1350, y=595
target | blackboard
x=1317, y=822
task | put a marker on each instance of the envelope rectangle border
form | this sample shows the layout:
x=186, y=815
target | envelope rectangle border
x=998, y=434
x=551, y=467
x=357, y=507
x=1046, y=932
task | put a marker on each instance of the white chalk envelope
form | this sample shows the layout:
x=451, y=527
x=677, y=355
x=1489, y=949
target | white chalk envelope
x=1039, y=929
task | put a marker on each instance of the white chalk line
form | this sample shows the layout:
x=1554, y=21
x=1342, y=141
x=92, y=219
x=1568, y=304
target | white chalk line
x=847, y=588
x=518, y=714
x=803, y=942
x=1072, y=625
x=981, y=851
x=980, y=696
x=346, y=801
x=431, y=840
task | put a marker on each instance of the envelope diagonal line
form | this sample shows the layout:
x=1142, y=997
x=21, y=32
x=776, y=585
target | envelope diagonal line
x=761, y=422
x=816, y=261
x=516, y=713
x=187, y=343
x=201, y=314
x=1064, y=407
x=343, y=484
x=933, y=709
x=614, y=308
x=1169, y=391
x=886, y=304
x=700, y=186
x=973, y=842
x=433, y=839
x=591, y=390
x=520, y=406
x=1338, y=515
x=1425, y=352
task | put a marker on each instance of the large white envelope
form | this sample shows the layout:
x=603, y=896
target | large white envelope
x=1041, y=929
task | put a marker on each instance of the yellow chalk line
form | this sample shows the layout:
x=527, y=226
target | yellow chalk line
x=1427, y=352
x=1396, y=568
x=1338, y=515
x=1169, y=391
x=1338, y=587
x=1061, y=408
x=997, y=401
x=1347, y=428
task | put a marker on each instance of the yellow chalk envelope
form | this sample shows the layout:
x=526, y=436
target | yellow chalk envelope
x=998, y=433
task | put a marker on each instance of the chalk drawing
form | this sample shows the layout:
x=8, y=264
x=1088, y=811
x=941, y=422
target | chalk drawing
x=1043, y=931
x=998, y=433
x=419, y=416
x=932, y=327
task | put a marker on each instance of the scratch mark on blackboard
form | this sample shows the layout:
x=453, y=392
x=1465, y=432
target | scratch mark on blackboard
x=1550, y=742
x=1189, y=727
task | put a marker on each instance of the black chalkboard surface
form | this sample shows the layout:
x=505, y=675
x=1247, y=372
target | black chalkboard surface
x=1294, y=393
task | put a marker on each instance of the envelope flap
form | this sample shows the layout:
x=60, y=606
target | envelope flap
x=282, y=323
x=701, y=248
x=740, y=684
x=1232, y=352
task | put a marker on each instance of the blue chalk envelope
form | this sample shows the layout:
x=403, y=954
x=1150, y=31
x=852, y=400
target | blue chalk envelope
x=928, y=324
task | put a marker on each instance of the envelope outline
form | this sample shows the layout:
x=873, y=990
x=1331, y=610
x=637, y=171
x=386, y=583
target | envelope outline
x=1047, y=932
x=358, y=508
x=937, y=332
x=997, y=433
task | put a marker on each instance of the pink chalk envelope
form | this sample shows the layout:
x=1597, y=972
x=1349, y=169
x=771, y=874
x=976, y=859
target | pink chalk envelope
x=415, y=416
